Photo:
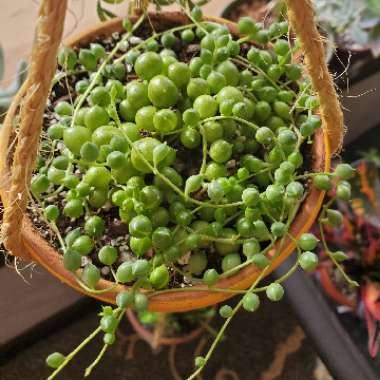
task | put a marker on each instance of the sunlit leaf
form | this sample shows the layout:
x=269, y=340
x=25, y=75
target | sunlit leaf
x=103, y=13
x=374, y=41
x=373, y=6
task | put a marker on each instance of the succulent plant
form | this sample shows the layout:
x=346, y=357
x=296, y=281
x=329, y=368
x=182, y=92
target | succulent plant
x=359, y=238
x=353, y=24
x=173, y=159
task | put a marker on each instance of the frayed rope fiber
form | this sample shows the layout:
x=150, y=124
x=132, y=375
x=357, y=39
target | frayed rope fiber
x=47, y=39
x=302, y=21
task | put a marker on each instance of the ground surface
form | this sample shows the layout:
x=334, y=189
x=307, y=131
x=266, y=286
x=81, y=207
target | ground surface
x=268, y=345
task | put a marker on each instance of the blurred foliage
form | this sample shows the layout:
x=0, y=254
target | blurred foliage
x=353, y=24
x=7, y=93
x=372, y=155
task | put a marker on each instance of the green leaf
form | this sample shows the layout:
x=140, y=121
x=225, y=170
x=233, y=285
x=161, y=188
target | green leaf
x=103, y=13
x=373, y=6
x=109, y=13
x=374, y=41
x=148, y=317
x=372, y=155
x=335, y=14
x=200, y=3
x=160, y=152
x=160, y=3
x=113, y=93
x=357, y=34
x=100, y=12
x=113, y=1
x=193, y=183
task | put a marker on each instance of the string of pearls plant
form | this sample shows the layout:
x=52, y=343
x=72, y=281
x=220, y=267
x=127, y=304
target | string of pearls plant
x=195, y=141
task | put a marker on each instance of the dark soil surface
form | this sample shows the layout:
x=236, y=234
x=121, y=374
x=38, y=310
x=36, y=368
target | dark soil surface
x=267, y=345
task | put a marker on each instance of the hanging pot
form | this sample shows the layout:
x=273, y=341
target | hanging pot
x=30, y=244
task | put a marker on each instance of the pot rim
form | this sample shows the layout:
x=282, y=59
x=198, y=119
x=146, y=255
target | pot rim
x=173, y=301
x=236, y=3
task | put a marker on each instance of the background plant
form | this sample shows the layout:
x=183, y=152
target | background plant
x=6, y=94
x=353, y=24
x=359, y=238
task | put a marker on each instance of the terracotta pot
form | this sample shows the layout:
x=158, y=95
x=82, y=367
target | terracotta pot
x=331, y=289
x=259, y=10
x=44, y=254
x=148, y=335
